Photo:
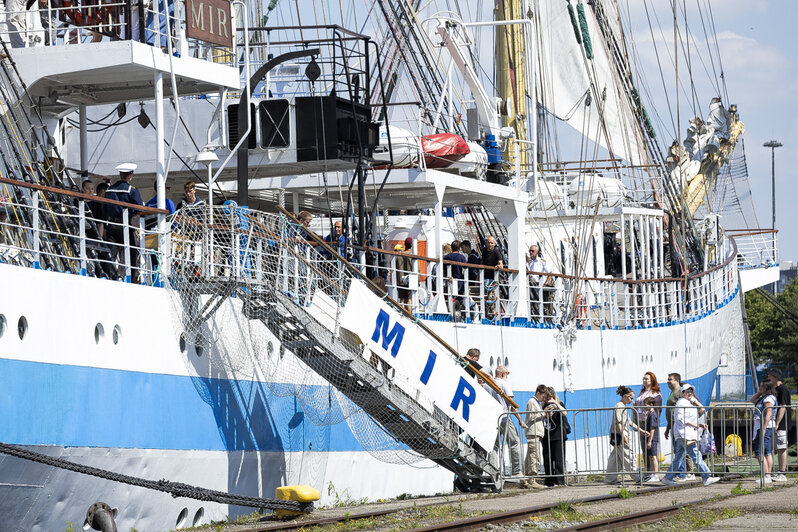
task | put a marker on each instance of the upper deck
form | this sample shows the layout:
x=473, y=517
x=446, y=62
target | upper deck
x=108, y=52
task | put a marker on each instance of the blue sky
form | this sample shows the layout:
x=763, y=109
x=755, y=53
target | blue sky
x=757, y=47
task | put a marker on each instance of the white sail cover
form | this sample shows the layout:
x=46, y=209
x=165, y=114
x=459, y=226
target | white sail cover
x=567, y=76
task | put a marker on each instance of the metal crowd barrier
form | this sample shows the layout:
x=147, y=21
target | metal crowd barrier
x=726, y=445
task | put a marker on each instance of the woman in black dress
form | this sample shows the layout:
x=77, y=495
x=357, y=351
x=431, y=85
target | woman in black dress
x=553, y=441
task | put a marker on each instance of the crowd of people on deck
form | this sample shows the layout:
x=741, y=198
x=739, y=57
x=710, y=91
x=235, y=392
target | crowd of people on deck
x=546, y=427
x=109, y=217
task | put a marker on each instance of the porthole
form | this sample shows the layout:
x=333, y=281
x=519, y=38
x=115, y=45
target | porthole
x=491, y=361
x=182, y=343
x=506, y=362
x=269, y=348
x=614, y=361
x=554, y=365
x=99, y=333
x=198, y=517
x=22, y=327
x=198, y=348
x=117, y=334
x=2, y=325
x=182, y=517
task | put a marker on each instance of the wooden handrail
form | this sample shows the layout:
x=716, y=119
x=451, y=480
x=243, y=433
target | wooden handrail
x=746, y=232
x=79, y=195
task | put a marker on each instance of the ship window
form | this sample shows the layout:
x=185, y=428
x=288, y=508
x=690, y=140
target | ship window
x=117, y=334
x=198, y=348
x=506, y=362
x=182, y=517
x=99, y=332
x=183, y=343
x=198, y=517
x=2, y=325
x=22, y=327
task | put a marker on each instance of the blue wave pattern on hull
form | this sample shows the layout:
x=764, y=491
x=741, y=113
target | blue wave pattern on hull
x=80, y=406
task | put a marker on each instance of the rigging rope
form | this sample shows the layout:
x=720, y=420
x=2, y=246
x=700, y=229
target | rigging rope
x=175, y=489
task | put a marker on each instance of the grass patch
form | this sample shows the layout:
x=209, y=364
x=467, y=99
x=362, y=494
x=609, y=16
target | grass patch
x=740, y=490
x=624, y=493
x=693, y=519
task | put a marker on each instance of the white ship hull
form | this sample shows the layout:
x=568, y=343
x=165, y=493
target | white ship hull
x=143, y=407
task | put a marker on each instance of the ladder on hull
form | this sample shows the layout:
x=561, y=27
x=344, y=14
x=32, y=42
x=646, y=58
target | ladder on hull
x=267, y=263
x=348, y=371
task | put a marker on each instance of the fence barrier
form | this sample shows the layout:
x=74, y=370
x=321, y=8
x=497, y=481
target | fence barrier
x=726, y=440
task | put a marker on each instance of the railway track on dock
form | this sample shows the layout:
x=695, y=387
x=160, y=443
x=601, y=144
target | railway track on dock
x=477, y=522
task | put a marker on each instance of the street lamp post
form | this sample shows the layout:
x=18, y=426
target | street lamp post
x=773, y=144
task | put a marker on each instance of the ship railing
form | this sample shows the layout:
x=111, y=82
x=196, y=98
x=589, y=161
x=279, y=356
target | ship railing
x=484, y=294
x=727, y=439
x=72, y=23
x=343, y=62
x=61, y=230
x=756, y=249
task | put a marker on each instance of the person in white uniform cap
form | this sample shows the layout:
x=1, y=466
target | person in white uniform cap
x=123, y=191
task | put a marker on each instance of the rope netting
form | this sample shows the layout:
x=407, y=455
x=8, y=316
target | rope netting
x=226, y=266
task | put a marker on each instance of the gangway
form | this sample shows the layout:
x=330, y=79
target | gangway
x=301, y=290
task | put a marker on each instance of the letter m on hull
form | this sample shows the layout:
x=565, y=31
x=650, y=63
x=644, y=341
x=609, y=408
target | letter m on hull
x=391, y=341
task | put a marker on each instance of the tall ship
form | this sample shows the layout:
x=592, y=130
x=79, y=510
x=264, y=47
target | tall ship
x=228, y=345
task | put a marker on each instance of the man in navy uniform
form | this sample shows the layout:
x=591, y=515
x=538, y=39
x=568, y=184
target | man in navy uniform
x=123, y=191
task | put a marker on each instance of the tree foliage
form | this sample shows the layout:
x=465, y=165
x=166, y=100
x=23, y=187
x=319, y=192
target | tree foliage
x=774, y=335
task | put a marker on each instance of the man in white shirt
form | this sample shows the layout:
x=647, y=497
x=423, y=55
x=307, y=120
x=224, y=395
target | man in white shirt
x=685, y=437
x=507, y=427
x=538, y=292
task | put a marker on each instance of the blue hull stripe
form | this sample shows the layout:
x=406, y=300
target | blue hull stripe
x=77, y=406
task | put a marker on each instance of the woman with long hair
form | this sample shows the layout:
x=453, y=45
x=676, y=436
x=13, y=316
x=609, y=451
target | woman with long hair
x=621, y=459
x=651, y=390
x=554, y=437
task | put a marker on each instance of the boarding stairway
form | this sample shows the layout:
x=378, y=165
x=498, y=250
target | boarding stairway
x=275, y=287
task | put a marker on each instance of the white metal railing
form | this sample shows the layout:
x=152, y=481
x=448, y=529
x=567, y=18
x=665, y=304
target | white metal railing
x=70, y=234
x=236, y=242
x=756, y=249
x=69, y=23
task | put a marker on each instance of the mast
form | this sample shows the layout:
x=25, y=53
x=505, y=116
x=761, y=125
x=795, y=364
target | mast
x=511, y=75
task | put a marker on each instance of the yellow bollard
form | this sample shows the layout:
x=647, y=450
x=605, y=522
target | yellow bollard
x=295, y=493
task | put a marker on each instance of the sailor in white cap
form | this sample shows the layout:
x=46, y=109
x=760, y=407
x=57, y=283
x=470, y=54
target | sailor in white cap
x=127, y=168
x=123, y=191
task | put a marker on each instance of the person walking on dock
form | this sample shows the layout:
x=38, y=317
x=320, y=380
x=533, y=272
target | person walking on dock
x=621, y=459
x=685, y=437
x=675, y=385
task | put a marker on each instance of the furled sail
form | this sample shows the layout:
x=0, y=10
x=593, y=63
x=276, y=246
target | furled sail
x=578, y=82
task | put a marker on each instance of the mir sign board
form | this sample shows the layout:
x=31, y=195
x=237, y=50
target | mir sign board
x=423, y=363
x=209, y=21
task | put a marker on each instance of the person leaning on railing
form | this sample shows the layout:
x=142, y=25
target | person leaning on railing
x=123, y=191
